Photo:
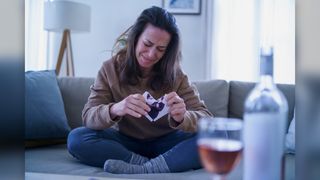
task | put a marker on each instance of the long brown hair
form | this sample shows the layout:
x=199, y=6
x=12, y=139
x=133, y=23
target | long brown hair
x=164, y=71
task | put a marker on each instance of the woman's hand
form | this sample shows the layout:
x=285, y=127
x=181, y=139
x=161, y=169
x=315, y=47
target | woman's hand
x=134, y=105
x=177, y=107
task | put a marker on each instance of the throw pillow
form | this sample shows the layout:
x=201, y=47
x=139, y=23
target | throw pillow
x=45, y=117
x=290, y=137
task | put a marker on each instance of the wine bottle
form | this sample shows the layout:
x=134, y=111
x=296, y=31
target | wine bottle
x=265, y=117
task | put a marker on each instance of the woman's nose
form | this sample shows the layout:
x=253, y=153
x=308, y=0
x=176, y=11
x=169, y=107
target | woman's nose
x=152, y=53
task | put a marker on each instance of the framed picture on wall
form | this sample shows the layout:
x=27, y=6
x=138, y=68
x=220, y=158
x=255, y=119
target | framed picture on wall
x=182, y=6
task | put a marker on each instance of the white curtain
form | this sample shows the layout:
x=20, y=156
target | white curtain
x=35, y=36
x=236, y=34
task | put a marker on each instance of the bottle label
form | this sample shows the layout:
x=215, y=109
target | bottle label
x=263, y=145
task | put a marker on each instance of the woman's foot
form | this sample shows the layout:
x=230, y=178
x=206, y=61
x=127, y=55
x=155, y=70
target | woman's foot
x=138, y=159
x=156, y=165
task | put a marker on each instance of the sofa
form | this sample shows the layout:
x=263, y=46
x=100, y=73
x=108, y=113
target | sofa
x=223, y=99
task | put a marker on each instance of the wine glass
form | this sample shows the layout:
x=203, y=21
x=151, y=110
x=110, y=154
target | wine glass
x=220, y=144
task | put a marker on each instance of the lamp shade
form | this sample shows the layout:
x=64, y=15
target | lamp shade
x=61, y=15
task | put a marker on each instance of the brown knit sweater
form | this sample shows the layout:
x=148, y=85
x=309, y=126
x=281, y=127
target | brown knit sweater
x=107, y=90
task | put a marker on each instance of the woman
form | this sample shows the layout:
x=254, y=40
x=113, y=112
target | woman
x=148, y=62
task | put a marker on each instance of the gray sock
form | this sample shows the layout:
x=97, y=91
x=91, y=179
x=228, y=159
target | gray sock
x=156, y=165
x=138, y=159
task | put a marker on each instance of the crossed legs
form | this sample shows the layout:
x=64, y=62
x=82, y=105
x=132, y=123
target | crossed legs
x=174, y=152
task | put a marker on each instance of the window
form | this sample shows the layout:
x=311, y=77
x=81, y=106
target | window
x=237, y=34
x=35, y=36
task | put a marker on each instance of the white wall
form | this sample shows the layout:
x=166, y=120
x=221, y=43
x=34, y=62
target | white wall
x=109, y=18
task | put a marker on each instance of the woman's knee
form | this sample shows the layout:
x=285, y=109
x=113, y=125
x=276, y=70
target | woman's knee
x=76, y=138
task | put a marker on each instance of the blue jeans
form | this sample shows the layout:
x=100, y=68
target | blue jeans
x=94, y=147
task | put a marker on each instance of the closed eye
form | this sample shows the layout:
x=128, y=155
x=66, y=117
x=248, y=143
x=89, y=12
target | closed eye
x=161, y=50
x=150, y=44
x=147, y=44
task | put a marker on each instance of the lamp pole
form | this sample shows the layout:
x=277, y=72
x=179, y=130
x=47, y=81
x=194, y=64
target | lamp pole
x=65, y=46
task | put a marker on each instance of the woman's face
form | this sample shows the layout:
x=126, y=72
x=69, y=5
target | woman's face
x=151, y=46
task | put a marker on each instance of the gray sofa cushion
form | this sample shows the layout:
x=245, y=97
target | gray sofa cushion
x=75, y=93
x=57, y=160
x=237, y=95
x=215, y=94
x=240, y=90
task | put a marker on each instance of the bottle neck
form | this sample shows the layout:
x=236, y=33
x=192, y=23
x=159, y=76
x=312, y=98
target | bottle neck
x=266, y=62
x=266, y=80
x=266, y=67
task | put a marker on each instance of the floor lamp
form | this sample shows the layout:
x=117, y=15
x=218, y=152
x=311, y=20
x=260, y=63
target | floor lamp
x=66, y=17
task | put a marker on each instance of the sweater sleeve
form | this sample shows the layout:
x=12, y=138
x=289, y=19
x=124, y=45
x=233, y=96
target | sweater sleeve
x=196, y=108
x=96, y=112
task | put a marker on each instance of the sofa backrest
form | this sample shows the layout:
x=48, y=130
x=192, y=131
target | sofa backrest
x=75, y=93
x=238, y=91
x=223, y=99
x=215, y=94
